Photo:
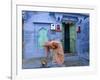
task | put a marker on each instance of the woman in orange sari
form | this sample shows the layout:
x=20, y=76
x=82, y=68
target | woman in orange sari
x=57, y=51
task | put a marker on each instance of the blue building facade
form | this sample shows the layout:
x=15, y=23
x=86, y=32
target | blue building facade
x=72, y=29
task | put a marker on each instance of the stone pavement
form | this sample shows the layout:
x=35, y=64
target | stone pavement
x=70, y=61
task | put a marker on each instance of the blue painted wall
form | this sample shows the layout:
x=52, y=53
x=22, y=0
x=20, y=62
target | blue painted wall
x=34, y=21
x=83, y=39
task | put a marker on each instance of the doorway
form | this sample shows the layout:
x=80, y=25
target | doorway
x=69, y=37
x=66, y=38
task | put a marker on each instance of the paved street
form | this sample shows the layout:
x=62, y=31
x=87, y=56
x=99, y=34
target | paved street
x=70, y=61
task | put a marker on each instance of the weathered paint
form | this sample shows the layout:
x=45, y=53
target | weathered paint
x=83, y=38
x=43, y=38
x=72, y=38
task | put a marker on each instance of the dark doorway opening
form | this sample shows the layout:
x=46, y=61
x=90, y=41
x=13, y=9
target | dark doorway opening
x=66, y=37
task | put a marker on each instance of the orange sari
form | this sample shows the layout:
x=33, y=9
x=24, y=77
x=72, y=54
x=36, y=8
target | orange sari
x=58, y=54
